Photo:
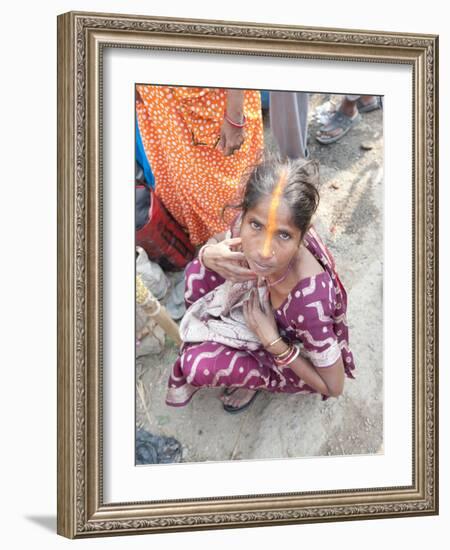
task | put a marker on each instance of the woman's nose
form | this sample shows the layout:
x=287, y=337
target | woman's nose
x=265, y=249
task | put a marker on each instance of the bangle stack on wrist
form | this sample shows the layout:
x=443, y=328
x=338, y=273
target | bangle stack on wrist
x=273, y=343
x=288, y=356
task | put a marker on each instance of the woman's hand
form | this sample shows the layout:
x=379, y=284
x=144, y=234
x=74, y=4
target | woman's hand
x=231, y=138
x=226, y=262
x=261, y=319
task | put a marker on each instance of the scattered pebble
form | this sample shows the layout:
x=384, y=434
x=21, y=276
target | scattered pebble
x=366, y=146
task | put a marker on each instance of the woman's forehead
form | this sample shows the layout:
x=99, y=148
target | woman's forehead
x=262, y=208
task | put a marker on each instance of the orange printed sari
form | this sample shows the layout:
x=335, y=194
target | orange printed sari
x=180, y=129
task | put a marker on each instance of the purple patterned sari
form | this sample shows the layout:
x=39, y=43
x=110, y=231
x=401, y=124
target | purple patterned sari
x=220, y=350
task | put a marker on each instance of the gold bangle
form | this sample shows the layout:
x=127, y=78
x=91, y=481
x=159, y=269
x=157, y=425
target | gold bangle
x=274, y=342
x=284, y=353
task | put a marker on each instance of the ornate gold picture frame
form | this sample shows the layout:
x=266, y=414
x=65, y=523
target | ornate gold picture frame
x=82, y=40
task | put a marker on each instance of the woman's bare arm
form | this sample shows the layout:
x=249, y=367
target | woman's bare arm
x=260, y=319
x=232, y=137
x=326, y=380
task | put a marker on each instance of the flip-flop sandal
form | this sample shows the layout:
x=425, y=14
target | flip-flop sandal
x=368, y=107
x=337, y=121
x=234, y=410
x=229, y=390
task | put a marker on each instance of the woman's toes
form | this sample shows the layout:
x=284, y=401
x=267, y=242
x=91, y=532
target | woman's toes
x=226, y=394
x=240, y=397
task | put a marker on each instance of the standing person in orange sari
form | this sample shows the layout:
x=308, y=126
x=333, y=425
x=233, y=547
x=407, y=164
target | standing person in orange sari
x=200, y=143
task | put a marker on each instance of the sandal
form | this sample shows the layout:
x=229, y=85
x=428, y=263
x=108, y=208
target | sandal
x=229, y=390
x=233, y=410
x=368, y=107
x=337, y=121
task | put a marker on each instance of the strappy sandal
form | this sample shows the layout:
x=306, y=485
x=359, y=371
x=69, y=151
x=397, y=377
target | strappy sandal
x=233, y=410
x=337, y=121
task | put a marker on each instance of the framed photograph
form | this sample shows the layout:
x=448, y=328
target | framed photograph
x=247, y=274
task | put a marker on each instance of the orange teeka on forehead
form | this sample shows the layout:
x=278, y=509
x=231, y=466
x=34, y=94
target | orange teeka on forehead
x=274, y=203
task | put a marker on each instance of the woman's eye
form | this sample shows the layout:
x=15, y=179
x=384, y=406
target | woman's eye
x=284, y=236
x=255, y=225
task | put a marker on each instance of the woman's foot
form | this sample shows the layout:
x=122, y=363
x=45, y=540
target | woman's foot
x=237, y=399
x=339, y=123
x=368, y=103
x=345, y=117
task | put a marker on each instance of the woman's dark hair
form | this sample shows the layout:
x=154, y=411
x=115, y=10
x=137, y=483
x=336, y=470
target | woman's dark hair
x=300, y=191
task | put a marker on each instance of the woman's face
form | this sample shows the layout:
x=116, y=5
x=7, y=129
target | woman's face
x=269, y=237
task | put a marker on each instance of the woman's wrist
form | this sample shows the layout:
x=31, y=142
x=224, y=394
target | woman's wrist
x=283, y=353
x=236, y=122
x=288, y=356
x=235, y=105
x=202, y=254
x=278, y=347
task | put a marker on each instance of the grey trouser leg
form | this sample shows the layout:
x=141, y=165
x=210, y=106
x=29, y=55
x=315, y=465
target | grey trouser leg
x=289, y=122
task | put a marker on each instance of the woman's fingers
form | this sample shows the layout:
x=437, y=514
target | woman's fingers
x=228, y=262
x=229, y=150
x=236, y=277
x=221, y=144
x=236, y=256
x=232, y=241
x=234, y=138
x=241, y=272
x=266, y=301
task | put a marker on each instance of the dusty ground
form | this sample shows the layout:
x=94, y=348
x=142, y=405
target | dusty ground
x=278, y=426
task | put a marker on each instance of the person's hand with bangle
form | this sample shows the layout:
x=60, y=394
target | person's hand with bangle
x=277, y=346
x=221, y=258
x=232, y=131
